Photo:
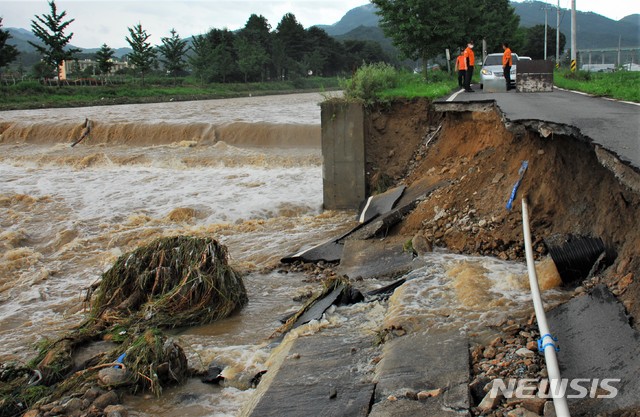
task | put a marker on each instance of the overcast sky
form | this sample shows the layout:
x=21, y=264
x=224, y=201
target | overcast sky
x=99, y=21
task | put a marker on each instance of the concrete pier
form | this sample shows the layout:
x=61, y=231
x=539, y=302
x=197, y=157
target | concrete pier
x=343, y=149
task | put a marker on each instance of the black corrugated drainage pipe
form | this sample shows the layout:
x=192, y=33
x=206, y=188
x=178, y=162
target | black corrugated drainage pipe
x=576, y=256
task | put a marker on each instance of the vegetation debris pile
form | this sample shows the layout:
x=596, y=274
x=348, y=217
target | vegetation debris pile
x=172, y=282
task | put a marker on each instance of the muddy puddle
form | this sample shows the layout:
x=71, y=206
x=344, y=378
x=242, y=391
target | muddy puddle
x=67, y=213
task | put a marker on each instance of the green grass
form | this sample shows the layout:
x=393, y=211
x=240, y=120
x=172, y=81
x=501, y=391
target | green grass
x=413, y=86
x=621, y=85
x=31, y=94
x=383, y=83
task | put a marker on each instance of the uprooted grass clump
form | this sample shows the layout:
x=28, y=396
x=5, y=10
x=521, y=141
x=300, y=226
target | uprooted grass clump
x=172, y=282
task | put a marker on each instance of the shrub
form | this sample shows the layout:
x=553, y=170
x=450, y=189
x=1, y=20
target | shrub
x=368, y=81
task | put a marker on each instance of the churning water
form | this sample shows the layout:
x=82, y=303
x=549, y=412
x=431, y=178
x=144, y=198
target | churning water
x=246, y=171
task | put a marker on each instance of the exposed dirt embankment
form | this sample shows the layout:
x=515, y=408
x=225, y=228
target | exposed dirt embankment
x=569, y=190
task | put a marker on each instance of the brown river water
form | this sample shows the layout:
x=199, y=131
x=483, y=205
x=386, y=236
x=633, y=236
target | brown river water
x=247, y=171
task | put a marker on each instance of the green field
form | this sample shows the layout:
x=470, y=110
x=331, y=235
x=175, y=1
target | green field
x=33, y=94
x=621, y=85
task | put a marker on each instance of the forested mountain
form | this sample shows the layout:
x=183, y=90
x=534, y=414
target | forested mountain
x=594, y=30
x=21, y=37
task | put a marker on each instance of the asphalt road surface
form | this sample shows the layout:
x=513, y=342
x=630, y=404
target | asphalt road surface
x=613, y=124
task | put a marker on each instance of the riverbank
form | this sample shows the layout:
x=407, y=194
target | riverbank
x=35, y=95
x=456, y=172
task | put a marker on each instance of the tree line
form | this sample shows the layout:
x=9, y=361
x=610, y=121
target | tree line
x=420, y=29
x=253, y=53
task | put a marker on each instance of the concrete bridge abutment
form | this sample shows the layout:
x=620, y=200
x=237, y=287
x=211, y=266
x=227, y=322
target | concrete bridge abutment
x=343, y=149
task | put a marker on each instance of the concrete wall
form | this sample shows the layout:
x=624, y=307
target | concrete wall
x=343, y=150
x=534, y=76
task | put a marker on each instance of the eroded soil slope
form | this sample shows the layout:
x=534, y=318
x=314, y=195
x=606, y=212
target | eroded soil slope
x=569, y=190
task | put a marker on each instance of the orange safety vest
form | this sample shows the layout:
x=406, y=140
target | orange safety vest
x=462, y=63
x=468, y=54
x=506, y=58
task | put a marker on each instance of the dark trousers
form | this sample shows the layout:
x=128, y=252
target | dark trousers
x=461, y=77
x=467, y=77
x=507, y=76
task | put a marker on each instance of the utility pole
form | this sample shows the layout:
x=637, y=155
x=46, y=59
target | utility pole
x=619, y=44
x=574, y=41
x=546, y=12
x=558, y=36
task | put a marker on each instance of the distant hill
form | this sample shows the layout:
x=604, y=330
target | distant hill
x=360, y=16
x=120, y=52
x=632, y=18
x=594, y=30
x=370, y=33
x=20, y=39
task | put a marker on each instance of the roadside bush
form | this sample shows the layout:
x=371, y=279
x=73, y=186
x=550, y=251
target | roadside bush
x=369, y=80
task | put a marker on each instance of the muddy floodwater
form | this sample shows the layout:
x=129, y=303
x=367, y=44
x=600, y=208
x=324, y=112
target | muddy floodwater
x=246, y=171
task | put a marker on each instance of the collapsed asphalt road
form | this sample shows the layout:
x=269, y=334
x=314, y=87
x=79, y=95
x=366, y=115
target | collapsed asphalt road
x=613, y=124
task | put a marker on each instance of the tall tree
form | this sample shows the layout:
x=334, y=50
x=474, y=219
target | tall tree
x=496, y=22
x=8, y=53
x=257, y=31
x=278, y=57
x=223, y=55
x=422, y=29
x=174, y=51
x=200, y=60
x=294, y=41
x=251, y=57
x=425, y=28
x=104, y=58
x=534, y=43
x=362, y=52
x=143, y=55
x=50, y=28
x=325, y=53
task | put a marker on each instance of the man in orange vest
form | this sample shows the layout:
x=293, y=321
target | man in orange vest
x=470, y=61
x=461, y=67
x=507, y=63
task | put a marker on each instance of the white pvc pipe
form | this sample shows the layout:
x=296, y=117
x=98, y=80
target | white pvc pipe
x=555, y=383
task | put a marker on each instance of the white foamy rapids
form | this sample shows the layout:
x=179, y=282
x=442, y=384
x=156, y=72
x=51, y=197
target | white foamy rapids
x=463, y=293
x=223, y=194
x=191, y=399
x=285, y=121
x=62, y=228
